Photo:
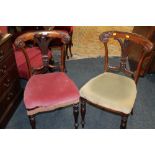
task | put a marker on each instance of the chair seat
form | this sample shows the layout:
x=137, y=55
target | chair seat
x=111, y=91
x=50, y=91
x=35, y=58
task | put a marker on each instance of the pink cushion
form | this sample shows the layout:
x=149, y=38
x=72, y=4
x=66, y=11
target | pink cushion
x=51, y=89
x=35, y=60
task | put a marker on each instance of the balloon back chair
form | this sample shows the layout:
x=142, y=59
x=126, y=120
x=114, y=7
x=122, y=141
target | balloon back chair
x=50, y=91
x=114, y=92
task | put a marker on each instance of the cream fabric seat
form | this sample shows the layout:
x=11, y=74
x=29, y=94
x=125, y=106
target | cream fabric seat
x=112, y=91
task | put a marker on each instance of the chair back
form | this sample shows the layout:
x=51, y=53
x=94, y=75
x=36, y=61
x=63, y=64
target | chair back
x=42, y=39
x=124, y=38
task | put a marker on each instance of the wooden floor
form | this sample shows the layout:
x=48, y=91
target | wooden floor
x=86, y=40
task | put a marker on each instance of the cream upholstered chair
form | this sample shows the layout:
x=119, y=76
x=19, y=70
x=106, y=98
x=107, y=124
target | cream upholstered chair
x=114, y=92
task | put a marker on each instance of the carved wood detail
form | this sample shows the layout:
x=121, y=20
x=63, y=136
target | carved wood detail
x=123, y=38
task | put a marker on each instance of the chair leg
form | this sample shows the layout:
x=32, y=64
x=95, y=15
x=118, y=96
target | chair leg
x=76, y=114
x=83, y=113
x=70, y=45
x=67, y=56
x=32, y=121
x=124, y=122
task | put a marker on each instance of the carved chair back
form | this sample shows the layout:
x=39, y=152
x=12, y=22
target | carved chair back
x=42, y=39
x=123, y=39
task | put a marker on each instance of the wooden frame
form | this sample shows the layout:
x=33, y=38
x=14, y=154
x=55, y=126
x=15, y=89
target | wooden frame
x=122, y=38
x=149, y=33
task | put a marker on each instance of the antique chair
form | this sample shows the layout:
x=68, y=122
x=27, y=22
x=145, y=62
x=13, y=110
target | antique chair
x=115, y=92
x=50, y=91
x=56, y=42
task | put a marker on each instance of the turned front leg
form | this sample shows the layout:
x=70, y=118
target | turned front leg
x=70, y=51
x=124, y=122
x=76, y=114
x=67, y=56
x=32, y=121
x=83, y=112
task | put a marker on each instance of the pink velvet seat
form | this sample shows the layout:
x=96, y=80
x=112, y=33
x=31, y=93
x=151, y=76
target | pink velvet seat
x=49, y=91
x=35, y=57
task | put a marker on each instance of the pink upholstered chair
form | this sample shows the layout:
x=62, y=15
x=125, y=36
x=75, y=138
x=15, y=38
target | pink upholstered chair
x=50, y=91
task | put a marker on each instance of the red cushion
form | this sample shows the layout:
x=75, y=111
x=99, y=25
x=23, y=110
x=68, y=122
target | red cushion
x=35, y=60
x=51, y=89
x=4, y=29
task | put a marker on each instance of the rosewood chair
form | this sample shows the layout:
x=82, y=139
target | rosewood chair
x=50, y=91
x=115, y=92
